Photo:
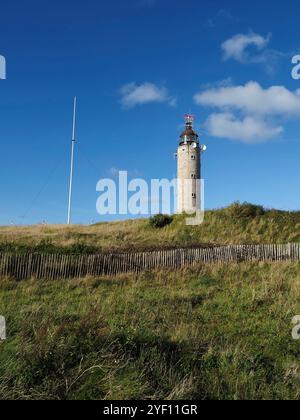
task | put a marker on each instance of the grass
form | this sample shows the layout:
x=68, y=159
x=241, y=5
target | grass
x=237, y=224
x=208, y=332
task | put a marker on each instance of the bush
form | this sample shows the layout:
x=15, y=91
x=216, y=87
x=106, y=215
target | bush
x=160, y=221
x=45, y=246
x=245, y=210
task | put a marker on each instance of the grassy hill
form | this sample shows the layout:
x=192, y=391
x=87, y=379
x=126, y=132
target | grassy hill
x=210, y=332
x=204, y=332
x=237, y=224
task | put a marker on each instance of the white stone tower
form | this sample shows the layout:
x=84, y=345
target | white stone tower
x=189, y=169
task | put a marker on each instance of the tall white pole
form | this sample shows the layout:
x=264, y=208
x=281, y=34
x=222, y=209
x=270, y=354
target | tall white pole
x=72, y=162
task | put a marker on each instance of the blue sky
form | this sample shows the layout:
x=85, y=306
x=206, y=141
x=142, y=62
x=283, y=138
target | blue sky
x=137, y=66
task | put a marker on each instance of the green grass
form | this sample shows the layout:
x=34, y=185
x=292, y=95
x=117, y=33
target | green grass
x=237, y=224
x=210, y=332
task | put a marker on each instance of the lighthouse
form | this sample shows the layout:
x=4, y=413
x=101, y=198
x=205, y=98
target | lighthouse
x=189, y=169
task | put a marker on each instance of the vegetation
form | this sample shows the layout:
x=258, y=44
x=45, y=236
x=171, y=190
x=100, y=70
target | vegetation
x=246, y=210
x=237, y=224
x=160, y=221
x=208, y=332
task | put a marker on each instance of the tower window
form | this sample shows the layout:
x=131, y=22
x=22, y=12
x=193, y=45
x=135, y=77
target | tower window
x=193, y=195
x=193, y=157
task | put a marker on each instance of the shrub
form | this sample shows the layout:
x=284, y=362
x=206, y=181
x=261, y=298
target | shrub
x=160, y=221
x=245, y=210
x=45, y=246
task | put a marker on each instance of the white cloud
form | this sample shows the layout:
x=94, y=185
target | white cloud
x=236, y=47
x=252, y=48
x=252, y=98
x=133, y=95
x=218, y=84
x=248, y=112
x=114, y=172
x=247, y=129
x=222, y=16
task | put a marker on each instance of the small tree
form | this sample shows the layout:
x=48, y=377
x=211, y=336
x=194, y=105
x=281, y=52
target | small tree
x=160, y=221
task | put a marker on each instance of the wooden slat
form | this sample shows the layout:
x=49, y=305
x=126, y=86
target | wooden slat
x=41, y=266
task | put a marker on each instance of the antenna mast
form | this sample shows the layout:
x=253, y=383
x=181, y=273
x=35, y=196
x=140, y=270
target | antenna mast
x=72, y=162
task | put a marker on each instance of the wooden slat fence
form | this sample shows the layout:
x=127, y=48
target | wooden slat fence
x=48, y=266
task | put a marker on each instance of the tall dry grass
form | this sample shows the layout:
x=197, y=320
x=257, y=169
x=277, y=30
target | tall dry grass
x=237, y=224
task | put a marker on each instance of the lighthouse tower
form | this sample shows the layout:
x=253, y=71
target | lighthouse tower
x=189, y=169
